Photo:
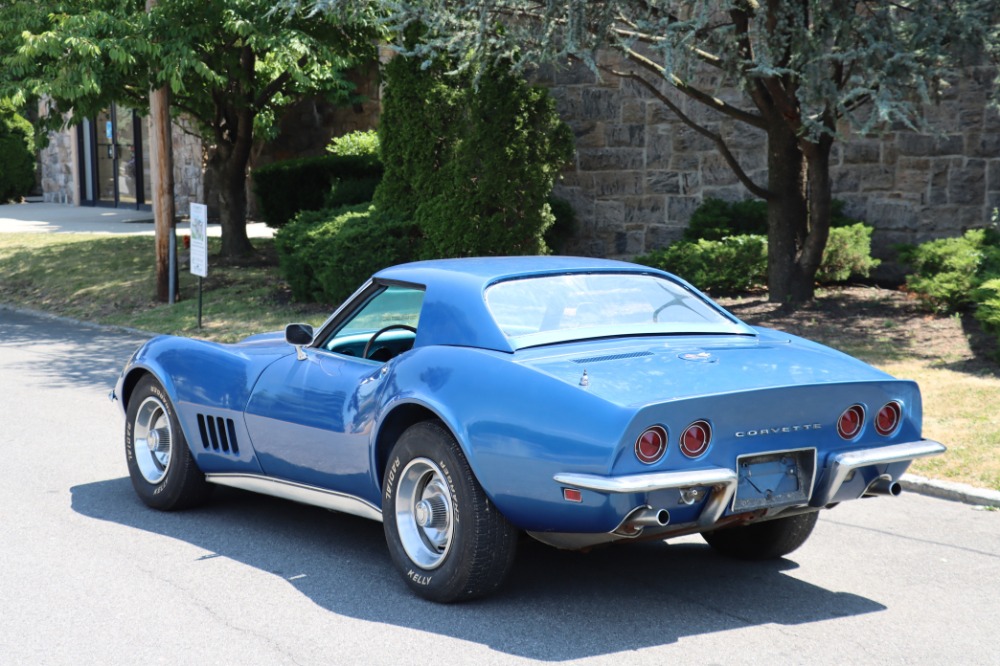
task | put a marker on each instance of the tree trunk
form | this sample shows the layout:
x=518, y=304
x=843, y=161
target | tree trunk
x=229, y=166
x=787, y=217
x=820, y=199
x=233, y=212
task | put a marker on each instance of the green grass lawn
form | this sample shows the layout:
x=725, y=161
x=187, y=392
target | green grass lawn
x=110, y=280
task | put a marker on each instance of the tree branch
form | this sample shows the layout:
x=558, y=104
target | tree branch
x=276, y=85
x=719, y=142
x=696, y=94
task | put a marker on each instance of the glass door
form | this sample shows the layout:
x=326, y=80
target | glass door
x=105, y=126
x=115, y=170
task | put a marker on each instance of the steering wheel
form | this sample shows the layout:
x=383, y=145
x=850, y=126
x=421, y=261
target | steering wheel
x=390, y=327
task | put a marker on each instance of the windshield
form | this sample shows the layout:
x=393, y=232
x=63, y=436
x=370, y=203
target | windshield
x=560, y=307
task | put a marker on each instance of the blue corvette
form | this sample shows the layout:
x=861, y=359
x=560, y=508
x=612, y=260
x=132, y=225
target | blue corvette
x=462, y=402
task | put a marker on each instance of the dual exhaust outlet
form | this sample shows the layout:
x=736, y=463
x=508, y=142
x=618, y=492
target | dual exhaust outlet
x=649, y=517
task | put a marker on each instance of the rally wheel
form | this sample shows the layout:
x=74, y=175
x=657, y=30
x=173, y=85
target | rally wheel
x=444, y=534
x=162, y=469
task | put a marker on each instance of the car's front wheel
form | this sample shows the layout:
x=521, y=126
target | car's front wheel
x=444, y=534
x=763, y=541
x=163, y=472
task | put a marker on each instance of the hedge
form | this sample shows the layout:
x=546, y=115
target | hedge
x=325, y=255
x=285, y=188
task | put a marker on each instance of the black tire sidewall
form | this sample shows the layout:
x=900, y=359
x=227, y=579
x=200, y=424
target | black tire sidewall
x=768, y=540
x=431, y=441
x=170, y=491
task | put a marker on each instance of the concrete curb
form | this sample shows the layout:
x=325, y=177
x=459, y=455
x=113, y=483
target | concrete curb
x=949, y=490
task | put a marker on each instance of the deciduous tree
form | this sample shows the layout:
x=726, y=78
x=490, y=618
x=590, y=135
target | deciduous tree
x=232, y=67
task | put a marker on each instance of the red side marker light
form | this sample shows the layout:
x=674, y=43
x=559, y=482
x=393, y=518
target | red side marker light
x=572, y=495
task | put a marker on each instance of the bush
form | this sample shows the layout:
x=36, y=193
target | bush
x=350, y=192
x=473, y=165
x=946, y=271
x=355, y=144
x=285, y=188
x=987, y=297
x=715, y=219
x=733, y=264
x=17, y=155
x=848, y=253
x=325, y=255
x=739, y=263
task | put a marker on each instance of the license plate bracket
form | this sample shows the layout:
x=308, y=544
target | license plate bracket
x=776, y=479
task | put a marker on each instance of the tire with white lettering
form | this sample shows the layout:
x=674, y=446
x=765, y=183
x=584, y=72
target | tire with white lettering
x=162, y=469
x=763, y=541
x=444, y=534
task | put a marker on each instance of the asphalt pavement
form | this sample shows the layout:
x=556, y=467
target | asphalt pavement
x=89, y=575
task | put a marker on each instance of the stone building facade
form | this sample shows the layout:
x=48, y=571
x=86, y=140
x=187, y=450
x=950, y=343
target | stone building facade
x=305, y=130
x=62, y=166
x=639, y=172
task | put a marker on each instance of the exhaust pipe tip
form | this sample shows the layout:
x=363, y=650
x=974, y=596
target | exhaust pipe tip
x=649, y=518
x=884, y=485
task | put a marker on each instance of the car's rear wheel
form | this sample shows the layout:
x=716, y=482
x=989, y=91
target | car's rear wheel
x=162, y=469
x=763, y=541
x=444, y=534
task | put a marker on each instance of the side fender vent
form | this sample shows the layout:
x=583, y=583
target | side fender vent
x=218, y=434
x=613, y=357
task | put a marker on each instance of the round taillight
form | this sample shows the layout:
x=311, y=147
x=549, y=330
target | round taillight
x=851, y=421
x=887, y=419
x=651, y=445
x=696, y=438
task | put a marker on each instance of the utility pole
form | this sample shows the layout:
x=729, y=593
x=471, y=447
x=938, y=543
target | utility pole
x=162, y=169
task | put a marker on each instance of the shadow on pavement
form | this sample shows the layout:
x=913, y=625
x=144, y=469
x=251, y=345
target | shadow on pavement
x=556, y=605
x=67, y=354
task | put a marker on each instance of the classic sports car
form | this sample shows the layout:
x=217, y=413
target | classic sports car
x=582, y=401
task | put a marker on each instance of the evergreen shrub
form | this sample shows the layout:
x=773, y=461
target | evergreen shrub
x=17, y=155
x=473, y=164
x=848, y=253
x=715, y=219
x=987, y=298
x=715, y=259
x=325, y=255
x=285, y=188
x=733, y=264
x=946, y=272
x=360, y=143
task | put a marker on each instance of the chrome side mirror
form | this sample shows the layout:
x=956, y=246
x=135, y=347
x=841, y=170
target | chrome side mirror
x=299, y=335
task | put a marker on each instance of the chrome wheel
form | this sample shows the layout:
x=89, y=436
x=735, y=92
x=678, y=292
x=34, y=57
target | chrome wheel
x=424, y=513
x=153, y=436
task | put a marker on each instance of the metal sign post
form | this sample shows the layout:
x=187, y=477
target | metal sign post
x=199, y=247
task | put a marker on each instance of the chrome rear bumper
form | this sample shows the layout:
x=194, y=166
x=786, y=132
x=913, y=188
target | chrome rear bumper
x=722, y=481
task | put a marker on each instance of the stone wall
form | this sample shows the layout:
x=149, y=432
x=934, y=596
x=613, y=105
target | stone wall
x=60, y=167
x=57, y=168
x=639, y=172
x=188, y=166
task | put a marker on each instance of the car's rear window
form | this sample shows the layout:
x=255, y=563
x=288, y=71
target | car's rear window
x=592, y=304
